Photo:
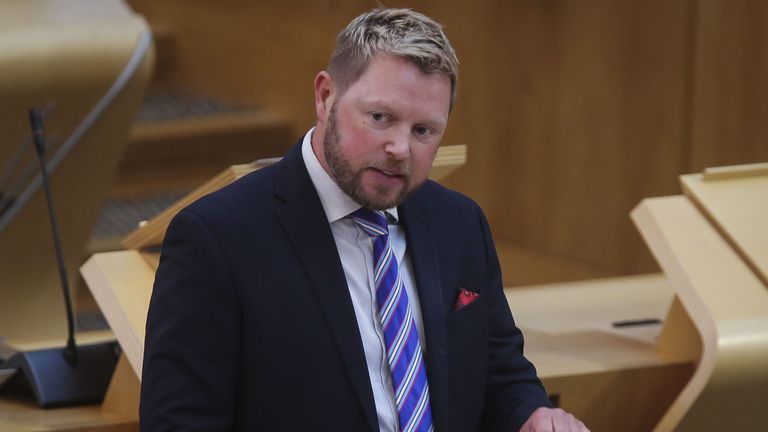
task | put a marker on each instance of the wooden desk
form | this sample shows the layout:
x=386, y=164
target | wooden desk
x=612, y=378
x=21, y=415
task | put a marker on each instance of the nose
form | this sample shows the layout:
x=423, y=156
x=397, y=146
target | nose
x=398, y=145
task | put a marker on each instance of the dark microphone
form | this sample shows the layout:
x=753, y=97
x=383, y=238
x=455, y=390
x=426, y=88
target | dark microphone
x=74, y=375
x=38, y=136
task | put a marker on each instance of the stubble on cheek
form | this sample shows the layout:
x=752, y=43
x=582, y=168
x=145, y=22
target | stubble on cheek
x=351, y=180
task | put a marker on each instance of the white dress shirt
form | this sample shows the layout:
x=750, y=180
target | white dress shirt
x=356, y=252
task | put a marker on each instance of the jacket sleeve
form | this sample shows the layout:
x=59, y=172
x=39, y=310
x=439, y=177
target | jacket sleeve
x=514, y=391
x=191, y=349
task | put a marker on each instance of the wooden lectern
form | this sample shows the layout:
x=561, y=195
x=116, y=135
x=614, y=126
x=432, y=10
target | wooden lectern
x=686, y=350
x=712, y=244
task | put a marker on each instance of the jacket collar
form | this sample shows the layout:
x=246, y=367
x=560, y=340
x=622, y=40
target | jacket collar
x=303, y=219
x=415, y=219
x=305, y=223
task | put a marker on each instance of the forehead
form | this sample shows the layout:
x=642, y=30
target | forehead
x=399, y=84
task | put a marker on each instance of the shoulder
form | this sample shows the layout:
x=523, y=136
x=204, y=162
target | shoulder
x=437, y=200
x=246, y=198
x=255, y=191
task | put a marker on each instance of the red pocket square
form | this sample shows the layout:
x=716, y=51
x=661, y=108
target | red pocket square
x=465, y=298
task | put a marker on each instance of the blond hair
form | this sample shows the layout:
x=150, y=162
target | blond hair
x=402, y=32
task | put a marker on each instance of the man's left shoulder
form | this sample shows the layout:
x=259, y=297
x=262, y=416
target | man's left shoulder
x=441, y=199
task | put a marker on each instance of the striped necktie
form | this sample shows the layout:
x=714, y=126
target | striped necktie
x=409, y=376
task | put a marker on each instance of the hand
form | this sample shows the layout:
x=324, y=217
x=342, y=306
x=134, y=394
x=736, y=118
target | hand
x=553, y=420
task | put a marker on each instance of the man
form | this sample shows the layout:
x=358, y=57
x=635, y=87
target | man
x=339, y=289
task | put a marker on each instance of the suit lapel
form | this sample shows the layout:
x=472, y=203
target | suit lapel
x=414, y=217
x=306, y=226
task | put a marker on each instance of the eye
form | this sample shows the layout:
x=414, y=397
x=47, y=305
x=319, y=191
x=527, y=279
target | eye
x=422, y=131
x=378, y=117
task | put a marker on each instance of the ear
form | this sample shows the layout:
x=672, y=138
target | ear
x=325, y=91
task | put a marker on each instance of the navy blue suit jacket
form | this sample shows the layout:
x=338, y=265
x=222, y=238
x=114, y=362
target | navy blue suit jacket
x=251, y=325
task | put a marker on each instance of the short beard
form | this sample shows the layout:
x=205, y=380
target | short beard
x=349, y=180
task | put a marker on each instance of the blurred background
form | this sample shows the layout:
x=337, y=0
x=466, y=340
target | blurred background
x=572, y=110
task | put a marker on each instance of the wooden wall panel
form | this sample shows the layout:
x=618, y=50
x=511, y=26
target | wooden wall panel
x=268, y=53
x=730, y=99
x=592, y=100
x=573, y=111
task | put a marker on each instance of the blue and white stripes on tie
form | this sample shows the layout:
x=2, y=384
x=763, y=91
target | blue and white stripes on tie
x=409, y=377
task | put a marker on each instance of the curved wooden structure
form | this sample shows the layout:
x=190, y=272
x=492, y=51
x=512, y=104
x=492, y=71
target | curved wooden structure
x=86, y=64
x=716, y=257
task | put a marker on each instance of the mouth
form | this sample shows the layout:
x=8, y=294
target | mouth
x=389, y=173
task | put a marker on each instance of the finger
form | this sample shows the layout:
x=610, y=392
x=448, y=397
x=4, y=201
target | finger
x=560, y=421
x=573, y=423
x=542, y=423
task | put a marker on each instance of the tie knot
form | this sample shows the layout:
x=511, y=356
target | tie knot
x=374, y=223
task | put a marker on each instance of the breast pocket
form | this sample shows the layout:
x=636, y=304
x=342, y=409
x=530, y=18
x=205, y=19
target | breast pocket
x=467, y=363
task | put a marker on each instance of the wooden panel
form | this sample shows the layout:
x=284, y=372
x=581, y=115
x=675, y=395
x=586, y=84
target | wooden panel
x=264, y=53
x=727, y=304
x=611, y=377
x=590, y=110
x=121, y=282
x=268, y=53
x=738, y=207
x=573, y=111
x=523, y=266
x=730, y=84
x=627, y=400
x=18, y=415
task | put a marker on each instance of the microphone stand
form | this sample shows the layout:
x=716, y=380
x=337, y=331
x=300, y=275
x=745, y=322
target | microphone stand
x=72, y=375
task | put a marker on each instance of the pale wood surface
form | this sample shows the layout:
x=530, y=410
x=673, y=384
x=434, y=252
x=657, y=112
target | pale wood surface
x=122, y=399
x=448, y=159
x=727, y=304
x=613, y=378
x=736, y=202
x=22, y=415
x=153, y=231
x=574, y=322
x=121, y=283
x=735, y=171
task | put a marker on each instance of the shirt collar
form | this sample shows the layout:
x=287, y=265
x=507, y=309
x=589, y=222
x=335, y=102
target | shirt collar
x=336, y=203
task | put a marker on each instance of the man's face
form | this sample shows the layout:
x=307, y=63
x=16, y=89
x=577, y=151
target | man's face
x=381, y=136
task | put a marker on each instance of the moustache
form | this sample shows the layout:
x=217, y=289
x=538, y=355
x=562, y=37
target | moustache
x=396, y=168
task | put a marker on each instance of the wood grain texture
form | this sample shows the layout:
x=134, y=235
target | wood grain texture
x=730, y=81
x=738, y=208
x=573, y=111
x=121, y=283
x=593, y=102
x=727, y=304
x=612, y=378
x=17, y=415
